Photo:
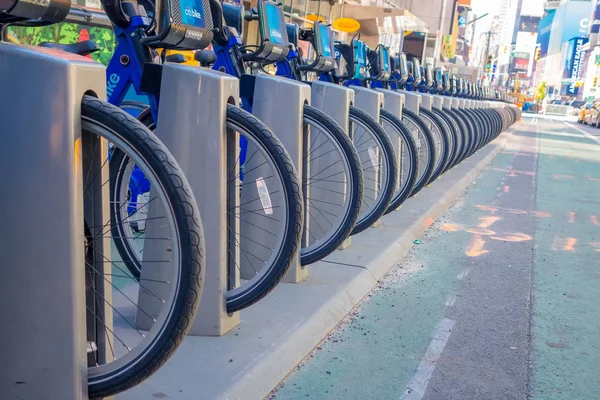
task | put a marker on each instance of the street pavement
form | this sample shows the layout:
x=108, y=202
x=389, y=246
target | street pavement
x=498, y=300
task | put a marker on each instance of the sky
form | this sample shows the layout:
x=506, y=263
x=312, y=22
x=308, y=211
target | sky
x=480, y=7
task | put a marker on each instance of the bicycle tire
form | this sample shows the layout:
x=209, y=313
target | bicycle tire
x=99, y=116
x=411, y=148
x=470, y=131
x=454, y=135
x=424, y=135
x=462, y=134
x=389, y=160
x=442, y=153
x=354, y=189
x=240, y=299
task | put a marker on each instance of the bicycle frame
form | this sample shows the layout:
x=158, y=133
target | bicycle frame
x=127, y=64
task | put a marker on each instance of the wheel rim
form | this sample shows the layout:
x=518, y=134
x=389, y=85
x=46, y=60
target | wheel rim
x=129, y=341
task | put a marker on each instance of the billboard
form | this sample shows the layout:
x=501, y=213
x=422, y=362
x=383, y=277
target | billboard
x=573, y=67
x=571, y=20
x=520, y=64
x=544, y=30
x=528, y=23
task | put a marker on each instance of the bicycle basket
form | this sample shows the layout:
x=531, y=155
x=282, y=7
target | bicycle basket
x=182, y=25
x=49, y=11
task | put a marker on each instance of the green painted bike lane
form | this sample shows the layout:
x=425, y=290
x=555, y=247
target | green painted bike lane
x=566, y=312
x=375, y=354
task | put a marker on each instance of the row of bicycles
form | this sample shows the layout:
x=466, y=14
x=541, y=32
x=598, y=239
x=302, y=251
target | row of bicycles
x=350, y=177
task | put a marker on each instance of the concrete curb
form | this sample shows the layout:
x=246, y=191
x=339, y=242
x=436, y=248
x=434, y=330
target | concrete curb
x=276, y=334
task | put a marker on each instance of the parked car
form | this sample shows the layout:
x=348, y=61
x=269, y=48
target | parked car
x=589, y=114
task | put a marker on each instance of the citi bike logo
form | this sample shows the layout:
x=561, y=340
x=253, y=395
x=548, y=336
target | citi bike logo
x=111, y=84
x=276, y=34
x=191, y=12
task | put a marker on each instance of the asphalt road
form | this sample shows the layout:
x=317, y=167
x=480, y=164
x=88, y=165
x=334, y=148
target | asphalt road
x=498, y=301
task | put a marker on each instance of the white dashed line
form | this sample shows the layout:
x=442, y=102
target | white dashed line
x=415, y=390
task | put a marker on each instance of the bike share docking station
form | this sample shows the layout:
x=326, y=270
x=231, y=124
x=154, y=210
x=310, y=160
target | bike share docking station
x=370, y=101
x=334, y=100
x=43, y=277
x=279, y=103
x=394, y=102
x=192, y=125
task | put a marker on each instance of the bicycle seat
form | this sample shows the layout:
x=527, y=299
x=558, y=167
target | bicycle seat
x=176, y=58
x=205, y=57
x=83, y=48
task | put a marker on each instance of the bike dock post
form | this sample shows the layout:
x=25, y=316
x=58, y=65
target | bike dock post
x=370, y=101
x=447, y=102
x=203, y=148
x=394, y=102
x=413, y=100
x=438, y=101
x=426, y=101
x=335, y=101
x=43, y=277
x=279, y=103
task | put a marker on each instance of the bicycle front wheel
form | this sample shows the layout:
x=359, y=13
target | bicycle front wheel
x=332, y=185
x=135, y=323
x=264, y=209
x=379, y=167
x=406, y=155
x=425, y=147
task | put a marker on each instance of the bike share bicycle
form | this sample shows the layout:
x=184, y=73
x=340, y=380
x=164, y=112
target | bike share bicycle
x=324, y=67
x=363, y=68
x=270, y=203
x=124, y=344
x=332, y=173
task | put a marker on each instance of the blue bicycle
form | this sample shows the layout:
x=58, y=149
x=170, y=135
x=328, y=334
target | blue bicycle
x=386, y=184
x=332, y=175
x=363, y=130
x=133, y=325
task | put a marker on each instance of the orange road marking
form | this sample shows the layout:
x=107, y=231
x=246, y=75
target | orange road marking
x=513, y=237
x=451, y=227
x=570, y=246
x=475, y=248
x=482, y=232
x=488, y=221
x=541, y=214
x=594, y=220
x=506, y=189
x=428, y=221
x=491, y=209
x=571, y=217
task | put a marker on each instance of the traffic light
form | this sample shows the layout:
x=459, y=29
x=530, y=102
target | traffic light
x=538, y=53
x=488, y=63
x=595, y=81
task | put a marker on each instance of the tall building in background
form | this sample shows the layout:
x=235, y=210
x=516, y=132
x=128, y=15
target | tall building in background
x=565, y=55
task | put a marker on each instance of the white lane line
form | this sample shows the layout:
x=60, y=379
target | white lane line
x=415, y=390
x=589, y=136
